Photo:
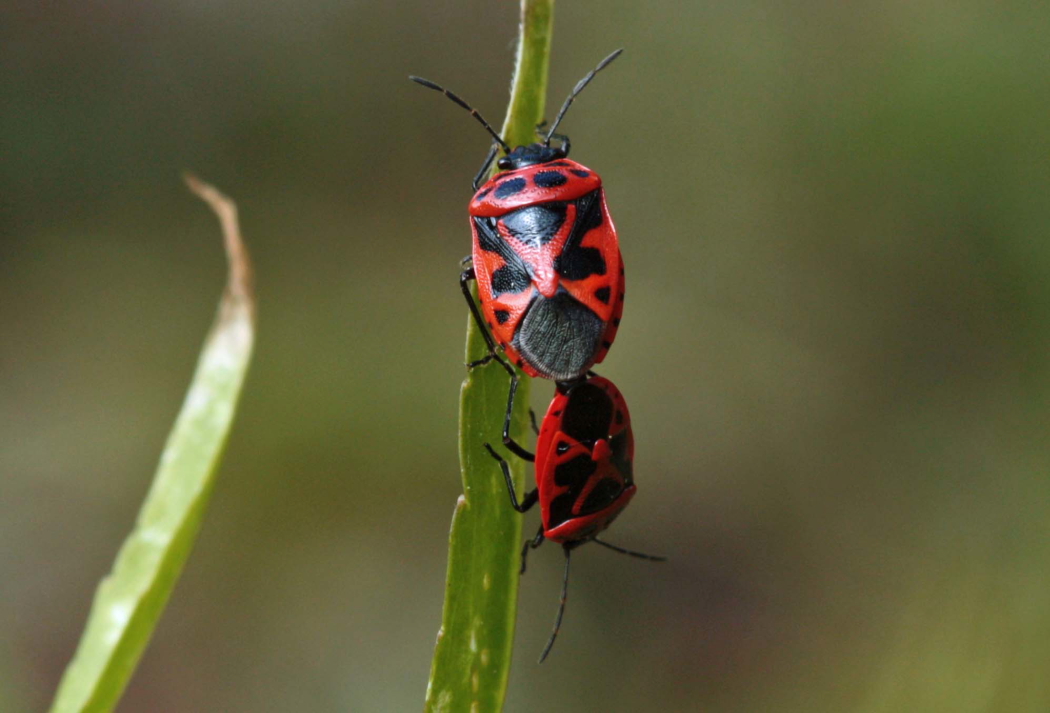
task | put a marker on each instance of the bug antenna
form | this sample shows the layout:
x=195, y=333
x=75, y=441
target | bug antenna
x=576, y=90
x=561, y=608
x=632, y=553
x=473, y=112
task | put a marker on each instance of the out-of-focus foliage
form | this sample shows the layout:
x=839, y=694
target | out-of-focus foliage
x=835, y=224
x=131, y=599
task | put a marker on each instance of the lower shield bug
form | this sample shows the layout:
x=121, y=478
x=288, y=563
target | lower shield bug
x=584, y=472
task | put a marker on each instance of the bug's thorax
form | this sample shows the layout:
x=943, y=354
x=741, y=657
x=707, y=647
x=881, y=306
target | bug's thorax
x=560, y=180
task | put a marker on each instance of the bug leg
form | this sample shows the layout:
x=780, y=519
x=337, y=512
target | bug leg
x=464, y=278
x=530, y=545
x=541, y=131
x=632, y=553
x=485, y=166
x=564, y=142
x=469, y=259
x=561, y=606
x=509, y=442
x=530, y=497
x=532, y=419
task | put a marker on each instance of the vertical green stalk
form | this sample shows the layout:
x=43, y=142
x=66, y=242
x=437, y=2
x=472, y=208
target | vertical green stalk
x=472, y=658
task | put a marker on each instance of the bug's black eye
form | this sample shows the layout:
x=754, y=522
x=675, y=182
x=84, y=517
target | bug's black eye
x=503, y=164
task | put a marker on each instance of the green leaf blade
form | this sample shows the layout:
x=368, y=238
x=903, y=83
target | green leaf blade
x=471, y=663
x=131, y=599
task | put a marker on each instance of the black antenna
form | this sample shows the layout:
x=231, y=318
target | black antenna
x=632, y=553
x=576, y=90
x=561, y=608
x=473, y=112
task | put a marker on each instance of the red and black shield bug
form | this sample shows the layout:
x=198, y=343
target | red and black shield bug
x=546, y=257
x=584, y=472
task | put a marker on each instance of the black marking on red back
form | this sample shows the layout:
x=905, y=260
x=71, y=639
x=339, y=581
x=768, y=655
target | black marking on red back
x=508, y=279
x=574, y=475
x=602, y=496
x=588, y=413
x=576, y=262
x=514, y=276
x=510, y=187
x=536, y=225
x=586, y=419
x=550, y=179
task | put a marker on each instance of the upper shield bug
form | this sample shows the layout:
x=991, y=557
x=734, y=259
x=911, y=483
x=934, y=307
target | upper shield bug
x=584, y=472
x=545, y=256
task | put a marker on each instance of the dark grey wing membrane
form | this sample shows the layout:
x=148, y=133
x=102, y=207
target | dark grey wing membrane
x=576, y=262
x=514, y=276
x=559, y=336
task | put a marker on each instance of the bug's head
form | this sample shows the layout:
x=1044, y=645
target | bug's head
x=530, y=156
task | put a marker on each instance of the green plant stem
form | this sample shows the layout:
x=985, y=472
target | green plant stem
x=472, y=657
x=129, y=602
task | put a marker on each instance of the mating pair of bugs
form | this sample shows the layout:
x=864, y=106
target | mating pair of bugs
x=550, y=278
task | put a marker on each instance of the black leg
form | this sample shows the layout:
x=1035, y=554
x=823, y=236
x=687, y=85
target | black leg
x=466, y=261
x=465, y=277
x=564, y=142
x=541, y=131
x=561, y=607
x=531, y=545
x=530, y=497
x=485, y=166
x=509, y=442
x=632, y=553
x=532, y=418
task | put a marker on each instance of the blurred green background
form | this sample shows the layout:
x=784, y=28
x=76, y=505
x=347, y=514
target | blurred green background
x=835, y=222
